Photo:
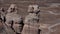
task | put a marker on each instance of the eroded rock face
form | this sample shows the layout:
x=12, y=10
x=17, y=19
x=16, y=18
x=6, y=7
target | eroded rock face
x=31, y=24
x=2, y=14
x=33, y=8
x=4, y=29
x=12, y=8
x=13, y=16
x=31, y=18
x=31, y=21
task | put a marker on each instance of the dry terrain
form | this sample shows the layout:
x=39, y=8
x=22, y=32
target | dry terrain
x=49, y=15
